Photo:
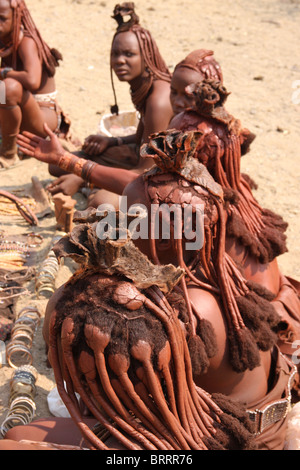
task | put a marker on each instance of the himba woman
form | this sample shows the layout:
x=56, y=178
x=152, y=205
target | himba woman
x=27, y=79
x=255, y=236
x=135, y=59
x=220, y=328
x=240, y=310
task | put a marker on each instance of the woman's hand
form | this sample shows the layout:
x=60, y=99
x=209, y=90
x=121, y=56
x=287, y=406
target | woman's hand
x=96, y=144
x=66, y=184
x=48, y=151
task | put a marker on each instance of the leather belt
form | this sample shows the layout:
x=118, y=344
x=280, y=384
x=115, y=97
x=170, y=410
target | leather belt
x=273, y=412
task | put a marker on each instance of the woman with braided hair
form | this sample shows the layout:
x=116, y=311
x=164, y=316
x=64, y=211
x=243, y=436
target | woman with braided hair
x=255, y=236
x=245, y=321
x=27, y=78
x=116, y=337
x=135, y=59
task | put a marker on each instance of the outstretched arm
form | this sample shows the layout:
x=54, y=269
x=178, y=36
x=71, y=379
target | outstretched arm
x=52, y=152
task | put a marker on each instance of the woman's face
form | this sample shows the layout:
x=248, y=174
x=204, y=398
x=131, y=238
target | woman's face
x=6, y=20
x=126, y=58
x=183, y=77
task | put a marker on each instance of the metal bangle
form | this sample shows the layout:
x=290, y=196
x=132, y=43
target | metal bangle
x=35, y=235
x=12, y=349
x=23, y=327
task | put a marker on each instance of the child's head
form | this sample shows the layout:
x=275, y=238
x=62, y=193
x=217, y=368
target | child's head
x=197, y=66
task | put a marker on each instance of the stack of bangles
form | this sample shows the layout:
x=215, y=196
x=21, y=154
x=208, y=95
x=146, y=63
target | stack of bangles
x=21, y=402
x=18, y=349
x=45, y=280
x=78, y=166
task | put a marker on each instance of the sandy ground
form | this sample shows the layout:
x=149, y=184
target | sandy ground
x=257, y=45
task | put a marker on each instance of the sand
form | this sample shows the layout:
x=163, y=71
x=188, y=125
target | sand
x=257, y=45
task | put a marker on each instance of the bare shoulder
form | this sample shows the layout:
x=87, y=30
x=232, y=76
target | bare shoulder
x=27, y=46
x=160, y=95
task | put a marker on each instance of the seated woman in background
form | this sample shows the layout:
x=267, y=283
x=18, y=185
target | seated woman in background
x=27, y=72
x=135, y=59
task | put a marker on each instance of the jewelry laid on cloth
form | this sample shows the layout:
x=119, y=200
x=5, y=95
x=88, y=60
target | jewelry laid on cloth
x=18, y=349
x=22, y=407
x=14, y=253
x=8, y=293
x=20, y=276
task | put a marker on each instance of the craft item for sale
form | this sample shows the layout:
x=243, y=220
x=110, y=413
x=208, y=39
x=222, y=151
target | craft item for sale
x=64, y=211
x=18, y=349
x=25, y=211
x=45, y=280
x=22, y=406
x=14, y=252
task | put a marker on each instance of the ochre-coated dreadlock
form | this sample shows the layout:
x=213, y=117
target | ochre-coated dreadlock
x=123, y=349
x=180, y=179
x=23, y=24
x=260, y=230
x=155, y=67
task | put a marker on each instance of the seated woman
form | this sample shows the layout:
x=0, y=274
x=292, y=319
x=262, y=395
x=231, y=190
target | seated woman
x=27, y=74
x=211, y=272
x=116, y=336
x=135, y=59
